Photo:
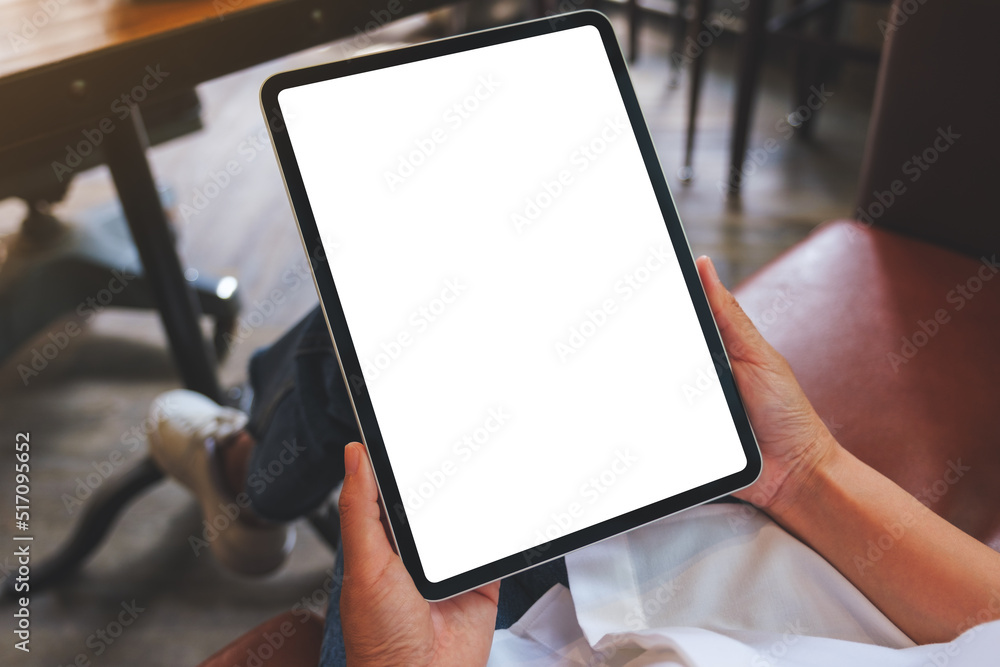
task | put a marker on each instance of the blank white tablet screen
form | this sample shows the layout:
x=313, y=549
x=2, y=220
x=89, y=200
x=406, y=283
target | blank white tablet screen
x=528, y=342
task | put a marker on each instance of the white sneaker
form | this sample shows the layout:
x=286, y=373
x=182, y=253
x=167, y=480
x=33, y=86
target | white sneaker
x=187, y=426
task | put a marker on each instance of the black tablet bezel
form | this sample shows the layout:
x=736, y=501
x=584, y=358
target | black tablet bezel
x=347, y=354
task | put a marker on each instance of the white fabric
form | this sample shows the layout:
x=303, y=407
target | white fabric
x=718, y=585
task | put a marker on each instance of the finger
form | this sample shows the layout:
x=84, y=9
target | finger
x=739, y=335
x=479, y=605
x=490, y=591
x=367, y=550
x=763, y=367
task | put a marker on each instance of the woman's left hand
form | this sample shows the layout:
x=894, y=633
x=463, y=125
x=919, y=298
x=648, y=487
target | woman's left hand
x=385, y=620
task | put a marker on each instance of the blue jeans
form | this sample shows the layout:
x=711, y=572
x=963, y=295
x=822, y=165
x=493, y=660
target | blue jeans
x=301, y=419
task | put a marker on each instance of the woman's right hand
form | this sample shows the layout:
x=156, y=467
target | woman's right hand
x=793, y=439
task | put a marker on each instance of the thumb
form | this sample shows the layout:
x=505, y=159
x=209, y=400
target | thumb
x=367, y=551
x=742, y=340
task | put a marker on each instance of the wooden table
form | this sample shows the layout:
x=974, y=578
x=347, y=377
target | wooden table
x=92, y=65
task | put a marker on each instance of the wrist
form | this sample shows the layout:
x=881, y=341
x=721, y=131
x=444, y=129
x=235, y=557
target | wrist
x=809, y=479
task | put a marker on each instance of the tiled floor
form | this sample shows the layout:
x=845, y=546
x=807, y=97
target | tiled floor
x=97, y=391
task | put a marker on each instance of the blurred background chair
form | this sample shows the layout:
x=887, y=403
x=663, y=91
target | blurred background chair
x=815, y=54
x=51, y=267
x=807, y=28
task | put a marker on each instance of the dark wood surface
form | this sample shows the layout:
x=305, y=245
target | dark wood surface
x=67, y=28
x=90, y=53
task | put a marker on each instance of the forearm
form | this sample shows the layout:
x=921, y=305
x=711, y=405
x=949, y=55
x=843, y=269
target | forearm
x=931, y=579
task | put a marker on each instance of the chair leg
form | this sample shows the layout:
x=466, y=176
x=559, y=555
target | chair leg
x=813, y=69
x=633, y=30
x=219, y=298
x=93, y=524
x=751, y=57
x=694, y=95
x=125, y=153
x=677, y=45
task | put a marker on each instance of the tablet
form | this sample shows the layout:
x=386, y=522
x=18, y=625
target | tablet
x=515, y=309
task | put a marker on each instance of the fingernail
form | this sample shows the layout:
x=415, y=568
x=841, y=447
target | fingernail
x=711, y=270
x=352, y=459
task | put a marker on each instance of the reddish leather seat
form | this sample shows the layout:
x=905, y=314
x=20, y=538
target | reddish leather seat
x=287, y=640
x=895, y=341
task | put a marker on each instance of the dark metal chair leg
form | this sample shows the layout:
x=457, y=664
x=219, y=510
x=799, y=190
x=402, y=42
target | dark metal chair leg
x=751, y=57
x=124, y=150
x=697, y=73
x=814, y=69
x=93, y=524
x=677, y=45
x=633, y=30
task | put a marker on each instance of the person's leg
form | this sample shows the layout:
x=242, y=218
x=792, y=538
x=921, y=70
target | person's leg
x=520, y=591
x=301, y=419
x=250, y=476
x=190, y=432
